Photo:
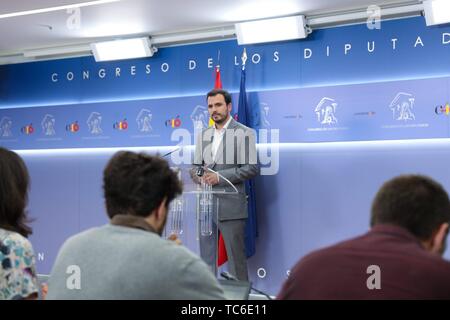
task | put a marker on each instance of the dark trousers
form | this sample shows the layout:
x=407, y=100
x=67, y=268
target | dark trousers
x=233, y=233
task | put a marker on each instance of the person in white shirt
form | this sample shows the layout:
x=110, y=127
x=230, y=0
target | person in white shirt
x=227, y=153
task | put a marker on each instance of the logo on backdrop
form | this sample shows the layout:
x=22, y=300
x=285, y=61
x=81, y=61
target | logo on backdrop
x=5, y=127
x=402, y=107
x=293, y=116
x=73, y=127
x=121, y=125
x=402, y=112
x=28, y=129
x=174, y=123
x=94, y=123
x=365, y=113
x=143, y=120
x=200, y=117
x=439, y=110
x=48, y=125
x=326, y=111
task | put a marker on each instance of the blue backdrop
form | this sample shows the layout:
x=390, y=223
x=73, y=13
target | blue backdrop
x=353, y=107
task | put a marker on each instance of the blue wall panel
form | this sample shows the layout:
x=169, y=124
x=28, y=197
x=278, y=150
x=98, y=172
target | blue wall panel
x=328, y=172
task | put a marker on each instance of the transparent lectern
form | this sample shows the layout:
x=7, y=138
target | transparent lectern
x=193, y=216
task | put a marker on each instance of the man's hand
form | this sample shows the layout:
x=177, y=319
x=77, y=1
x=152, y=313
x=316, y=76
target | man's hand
x=194, y=177
x=211, y=178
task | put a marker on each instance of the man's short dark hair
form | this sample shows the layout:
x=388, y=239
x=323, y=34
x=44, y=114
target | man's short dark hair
x=414, y=202
x=226, y=95
x=137, y=183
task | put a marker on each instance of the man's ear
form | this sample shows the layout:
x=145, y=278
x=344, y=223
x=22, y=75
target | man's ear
x=230, y=107
x=439, y=238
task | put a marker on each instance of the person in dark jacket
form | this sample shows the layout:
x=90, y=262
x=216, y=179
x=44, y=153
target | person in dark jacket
x=399, y=258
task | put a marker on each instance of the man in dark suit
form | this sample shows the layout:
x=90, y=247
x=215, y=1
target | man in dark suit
x=399, y=258
x=227, y=153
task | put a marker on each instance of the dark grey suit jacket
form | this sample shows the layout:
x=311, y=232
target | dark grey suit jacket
x=236, y=160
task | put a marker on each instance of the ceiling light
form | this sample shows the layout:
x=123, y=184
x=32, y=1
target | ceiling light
x=122, y=49
x=270, y=30
x=50, y=9
x=436, y=12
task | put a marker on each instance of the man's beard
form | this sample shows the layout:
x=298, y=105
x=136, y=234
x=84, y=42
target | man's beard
x=220, y=120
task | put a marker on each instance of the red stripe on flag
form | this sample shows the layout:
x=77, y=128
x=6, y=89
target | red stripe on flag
x=222, y=256
x=218, y=83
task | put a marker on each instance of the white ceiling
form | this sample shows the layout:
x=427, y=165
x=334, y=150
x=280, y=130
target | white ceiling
x=147, y=17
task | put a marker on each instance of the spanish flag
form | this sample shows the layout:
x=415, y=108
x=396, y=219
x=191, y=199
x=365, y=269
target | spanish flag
x=221, y=250
x=217, y=85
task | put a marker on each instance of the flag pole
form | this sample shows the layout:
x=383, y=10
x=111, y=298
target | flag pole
x=244, y=58
x=218, y=61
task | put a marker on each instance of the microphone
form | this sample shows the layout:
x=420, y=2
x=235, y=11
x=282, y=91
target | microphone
x=200, y=171
x=169, y=153
x=229, y=276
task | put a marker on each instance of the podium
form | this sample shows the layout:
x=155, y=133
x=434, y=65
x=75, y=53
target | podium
x=193, y=216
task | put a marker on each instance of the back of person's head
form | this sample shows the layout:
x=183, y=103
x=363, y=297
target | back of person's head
x=137, y=184
x=417, y=203
x=14, y=181
x=226, y=95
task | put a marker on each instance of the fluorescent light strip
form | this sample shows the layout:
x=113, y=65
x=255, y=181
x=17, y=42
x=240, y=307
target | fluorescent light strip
x=406, y=144
x=270, y=30
x=437, y=12
x=50, y=9
x=122, y=49
x=371, y=144
x=73, y=151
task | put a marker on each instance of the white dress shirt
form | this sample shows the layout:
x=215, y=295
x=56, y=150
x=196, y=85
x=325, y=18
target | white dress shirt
x=218, y=137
